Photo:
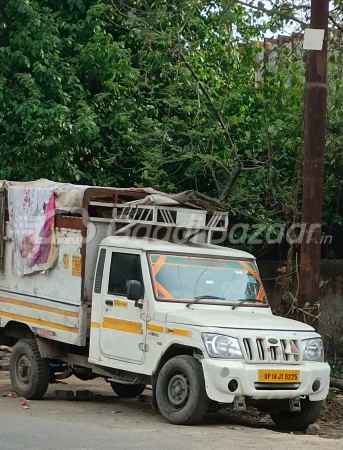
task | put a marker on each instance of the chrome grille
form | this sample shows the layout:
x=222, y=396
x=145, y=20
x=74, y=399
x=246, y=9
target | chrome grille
x=247, y=348
x=270, y=350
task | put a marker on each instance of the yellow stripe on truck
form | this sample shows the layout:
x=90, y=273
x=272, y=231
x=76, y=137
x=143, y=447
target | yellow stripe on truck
x=42, y=323
x=156, y=328
x=61, y=312
x=127, y=326
x=178, y=332
x=115, y=321
x=124, y=328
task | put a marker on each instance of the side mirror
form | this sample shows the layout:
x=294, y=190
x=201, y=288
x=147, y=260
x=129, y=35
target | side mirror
x=134, y=292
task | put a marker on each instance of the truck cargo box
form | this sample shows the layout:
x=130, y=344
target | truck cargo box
x=49, y=238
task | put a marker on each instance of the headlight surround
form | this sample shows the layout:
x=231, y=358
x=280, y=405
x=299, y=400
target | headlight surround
x=313, y=350
x=221, y=346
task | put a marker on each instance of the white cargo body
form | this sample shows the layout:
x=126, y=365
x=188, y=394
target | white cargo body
x=129, y=287
x=56, y=303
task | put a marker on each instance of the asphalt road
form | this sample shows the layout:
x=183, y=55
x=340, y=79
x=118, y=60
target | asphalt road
x=105, y=422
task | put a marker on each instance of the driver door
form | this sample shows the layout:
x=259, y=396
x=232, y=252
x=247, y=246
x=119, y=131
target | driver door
x=123, y=331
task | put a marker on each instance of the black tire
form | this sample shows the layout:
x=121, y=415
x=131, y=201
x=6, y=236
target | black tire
x=298, y=421
x=127, y=390
x=29, y=372
x=180, y=391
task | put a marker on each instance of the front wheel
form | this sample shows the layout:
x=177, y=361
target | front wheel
x=180, y=391
x=127, y=390
x=298, y=421
x=29, y=372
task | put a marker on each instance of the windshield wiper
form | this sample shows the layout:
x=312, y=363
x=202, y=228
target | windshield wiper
x=204, y=297
x=245, y=300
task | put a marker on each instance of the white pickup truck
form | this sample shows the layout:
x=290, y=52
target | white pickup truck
x=189, y=318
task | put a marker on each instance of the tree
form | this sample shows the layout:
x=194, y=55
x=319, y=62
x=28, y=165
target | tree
x=159, y=93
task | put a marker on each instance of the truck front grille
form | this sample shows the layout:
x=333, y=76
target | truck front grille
x=271, y=350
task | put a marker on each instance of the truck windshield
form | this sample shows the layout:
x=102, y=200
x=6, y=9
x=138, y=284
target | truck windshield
x=181, y=278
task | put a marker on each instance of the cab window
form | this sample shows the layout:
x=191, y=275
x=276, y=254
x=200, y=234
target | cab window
x=124, y=267
x=183, y=278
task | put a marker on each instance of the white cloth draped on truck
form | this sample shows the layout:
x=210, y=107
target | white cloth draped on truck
x=68, y=197
x=32, y=214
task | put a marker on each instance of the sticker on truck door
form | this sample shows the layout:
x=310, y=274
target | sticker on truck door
x=120, y=304
x=66, y=261
x=76, y=266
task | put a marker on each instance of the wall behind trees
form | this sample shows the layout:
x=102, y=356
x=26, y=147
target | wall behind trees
x=331, y=295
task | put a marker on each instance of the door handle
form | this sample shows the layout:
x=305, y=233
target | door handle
x=109, y=302
x=138, y=305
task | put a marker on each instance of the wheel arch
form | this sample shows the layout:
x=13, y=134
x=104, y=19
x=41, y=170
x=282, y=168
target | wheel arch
x=169, y=353
x=18, y=330
x=177, y=350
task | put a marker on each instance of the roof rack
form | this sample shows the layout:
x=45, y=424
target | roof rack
x=126, y=217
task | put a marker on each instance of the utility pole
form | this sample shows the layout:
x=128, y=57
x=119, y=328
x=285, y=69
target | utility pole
x=315, y=124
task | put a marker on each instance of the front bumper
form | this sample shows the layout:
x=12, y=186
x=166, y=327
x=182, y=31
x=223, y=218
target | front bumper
x=247, y=377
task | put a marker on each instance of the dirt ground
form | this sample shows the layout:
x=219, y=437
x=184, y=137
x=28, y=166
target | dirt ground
x=103, y=411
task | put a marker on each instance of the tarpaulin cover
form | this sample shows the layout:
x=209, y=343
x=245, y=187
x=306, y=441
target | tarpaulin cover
x=69, y=197
x=186, y=199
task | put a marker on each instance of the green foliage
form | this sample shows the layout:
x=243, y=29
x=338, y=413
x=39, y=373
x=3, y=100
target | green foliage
x=336, y=369
x=103, y=92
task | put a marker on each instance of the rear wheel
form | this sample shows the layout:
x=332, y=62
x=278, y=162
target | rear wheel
x=127, y=390
x=29, y=372
x=298, y=421
x=180, y=391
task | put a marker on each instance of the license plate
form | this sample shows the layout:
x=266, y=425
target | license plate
x=278, y=376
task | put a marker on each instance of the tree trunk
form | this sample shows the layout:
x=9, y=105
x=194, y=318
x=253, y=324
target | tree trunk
x=336, y=383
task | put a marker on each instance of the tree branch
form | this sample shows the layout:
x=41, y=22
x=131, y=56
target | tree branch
x=226, y=169
x=127, y=16
x=239, y=165
x=336, y=24
x=232, y=181
x=216, y=181
x=210, y=101
x=234, y=176
x=272, y=12
x=336, y=383
x=248, y=169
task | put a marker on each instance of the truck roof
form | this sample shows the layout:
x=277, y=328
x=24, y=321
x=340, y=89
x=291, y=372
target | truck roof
x=158, y=245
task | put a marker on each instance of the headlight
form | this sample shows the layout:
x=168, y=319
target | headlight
x=313, y=350
x=220, y=346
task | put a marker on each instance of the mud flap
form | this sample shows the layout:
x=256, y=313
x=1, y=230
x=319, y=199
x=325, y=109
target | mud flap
x=153, y=398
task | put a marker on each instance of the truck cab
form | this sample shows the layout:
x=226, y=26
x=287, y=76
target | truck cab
x=204, y=306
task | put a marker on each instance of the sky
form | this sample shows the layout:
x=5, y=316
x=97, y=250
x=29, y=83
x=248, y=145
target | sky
x=290, y=29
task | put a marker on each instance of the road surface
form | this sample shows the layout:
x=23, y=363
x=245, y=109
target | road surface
x=105, y=422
